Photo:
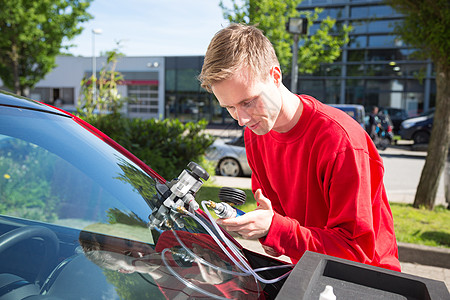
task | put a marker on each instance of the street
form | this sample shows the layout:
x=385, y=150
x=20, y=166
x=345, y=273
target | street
x=403, y=168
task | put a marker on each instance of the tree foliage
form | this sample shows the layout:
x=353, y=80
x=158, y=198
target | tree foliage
x=167, y=146
x=426, y=27
x=31, y=36
x=271, y=16
x=106, y=98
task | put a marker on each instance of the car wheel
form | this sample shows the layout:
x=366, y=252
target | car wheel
x=421, y=137
x=229, y=167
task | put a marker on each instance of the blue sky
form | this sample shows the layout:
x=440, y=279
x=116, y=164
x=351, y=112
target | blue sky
x=150, y=27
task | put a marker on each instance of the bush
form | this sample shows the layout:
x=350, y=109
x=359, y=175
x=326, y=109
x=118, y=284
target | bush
x=167, y=146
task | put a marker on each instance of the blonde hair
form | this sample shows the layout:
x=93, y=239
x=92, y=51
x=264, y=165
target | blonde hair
x=234, y=47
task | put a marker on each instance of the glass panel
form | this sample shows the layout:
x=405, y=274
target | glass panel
x=356, y=55
x=186, y=80
x=315, y=88
x=334, y=13
x=414, y=103
x=46, y=174
x=415, y=70
x=355, y=70
x=382, y=70
x=170, y=80
x=359, y=27
x=414, y=85
x=358, y=41
x=143, y=100
x=359, y=12
x=382, y=41
x=68, y=96
x=186, y=106
x=333, y=90
x=381, y=11
x=379, y=84
x=354, y=93
x=380, y=26
x=313, y=29
x=387, y=55
x=89, y=207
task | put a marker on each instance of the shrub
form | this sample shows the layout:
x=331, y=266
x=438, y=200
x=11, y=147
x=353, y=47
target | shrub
x=167, y=146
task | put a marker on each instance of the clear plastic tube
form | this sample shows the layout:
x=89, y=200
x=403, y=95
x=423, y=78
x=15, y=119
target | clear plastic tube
x=213, y=235
x=205, y=262
x=187, y=282
x=246, y=267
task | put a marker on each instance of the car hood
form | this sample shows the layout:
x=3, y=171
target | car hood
x=415, y=120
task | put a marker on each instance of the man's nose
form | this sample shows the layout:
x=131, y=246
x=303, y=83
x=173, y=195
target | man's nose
x=242, y=116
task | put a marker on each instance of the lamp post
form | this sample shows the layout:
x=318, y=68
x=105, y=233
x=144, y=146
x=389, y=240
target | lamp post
x=94, y=67
x=296, y=27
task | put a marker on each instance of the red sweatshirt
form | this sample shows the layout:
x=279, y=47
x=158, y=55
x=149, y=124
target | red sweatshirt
x=324, y=178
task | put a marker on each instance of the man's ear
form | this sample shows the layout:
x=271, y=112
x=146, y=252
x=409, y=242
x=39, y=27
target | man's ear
x=275, y=73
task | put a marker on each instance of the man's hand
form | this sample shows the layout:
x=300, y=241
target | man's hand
x=254, y=224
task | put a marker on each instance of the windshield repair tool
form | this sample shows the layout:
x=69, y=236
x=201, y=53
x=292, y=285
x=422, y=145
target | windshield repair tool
x=228, y=195
x=177, y=196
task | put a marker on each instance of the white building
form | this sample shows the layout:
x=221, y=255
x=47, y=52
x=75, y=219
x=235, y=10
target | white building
x=143, y=83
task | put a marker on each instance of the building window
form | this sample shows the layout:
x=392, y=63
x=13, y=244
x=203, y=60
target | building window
x=57, y=96
x=143, y=99
x=358, y=41
x=382, y=41
x=380, y=26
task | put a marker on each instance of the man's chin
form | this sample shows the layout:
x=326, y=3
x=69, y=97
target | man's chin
x=260, y=131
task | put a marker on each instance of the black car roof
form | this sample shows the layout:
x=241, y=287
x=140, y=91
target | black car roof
x=8, y=99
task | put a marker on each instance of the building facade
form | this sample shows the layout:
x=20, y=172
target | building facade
x=376, y=67
x=143, y=83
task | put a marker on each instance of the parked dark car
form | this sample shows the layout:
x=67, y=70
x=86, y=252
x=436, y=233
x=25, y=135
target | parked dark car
x=397, y=115
x=355, y=111
x=82, y=218
x=418, y=129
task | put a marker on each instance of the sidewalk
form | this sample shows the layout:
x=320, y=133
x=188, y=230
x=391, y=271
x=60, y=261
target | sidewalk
x=423, y=261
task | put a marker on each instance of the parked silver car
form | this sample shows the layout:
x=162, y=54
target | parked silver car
x=230, y=157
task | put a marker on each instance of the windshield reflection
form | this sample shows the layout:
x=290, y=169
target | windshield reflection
x=180, y=264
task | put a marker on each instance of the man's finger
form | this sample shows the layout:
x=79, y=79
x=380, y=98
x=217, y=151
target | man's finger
x=263, y=202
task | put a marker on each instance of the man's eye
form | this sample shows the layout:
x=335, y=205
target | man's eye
x=249, y=103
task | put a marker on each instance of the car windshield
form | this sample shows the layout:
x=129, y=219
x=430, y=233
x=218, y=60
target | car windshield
x=74, y=216
x=66, y=175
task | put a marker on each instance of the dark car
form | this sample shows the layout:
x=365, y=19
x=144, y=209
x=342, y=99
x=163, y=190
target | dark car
x=82, y=218
x=397, y=116
x=355, y=111
x=418, y=129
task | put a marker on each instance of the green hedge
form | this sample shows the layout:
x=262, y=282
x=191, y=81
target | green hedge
x=167, y=146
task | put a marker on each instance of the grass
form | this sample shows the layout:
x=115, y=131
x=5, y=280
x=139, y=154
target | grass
x=416, y=226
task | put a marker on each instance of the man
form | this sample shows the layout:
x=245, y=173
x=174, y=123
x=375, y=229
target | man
x=373, y=124
x=316, y=175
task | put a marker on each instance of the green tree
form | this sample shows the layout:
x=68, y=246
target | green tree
x=426, y=27
x=106, y=97
x=31, y=36
x=271, y=16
